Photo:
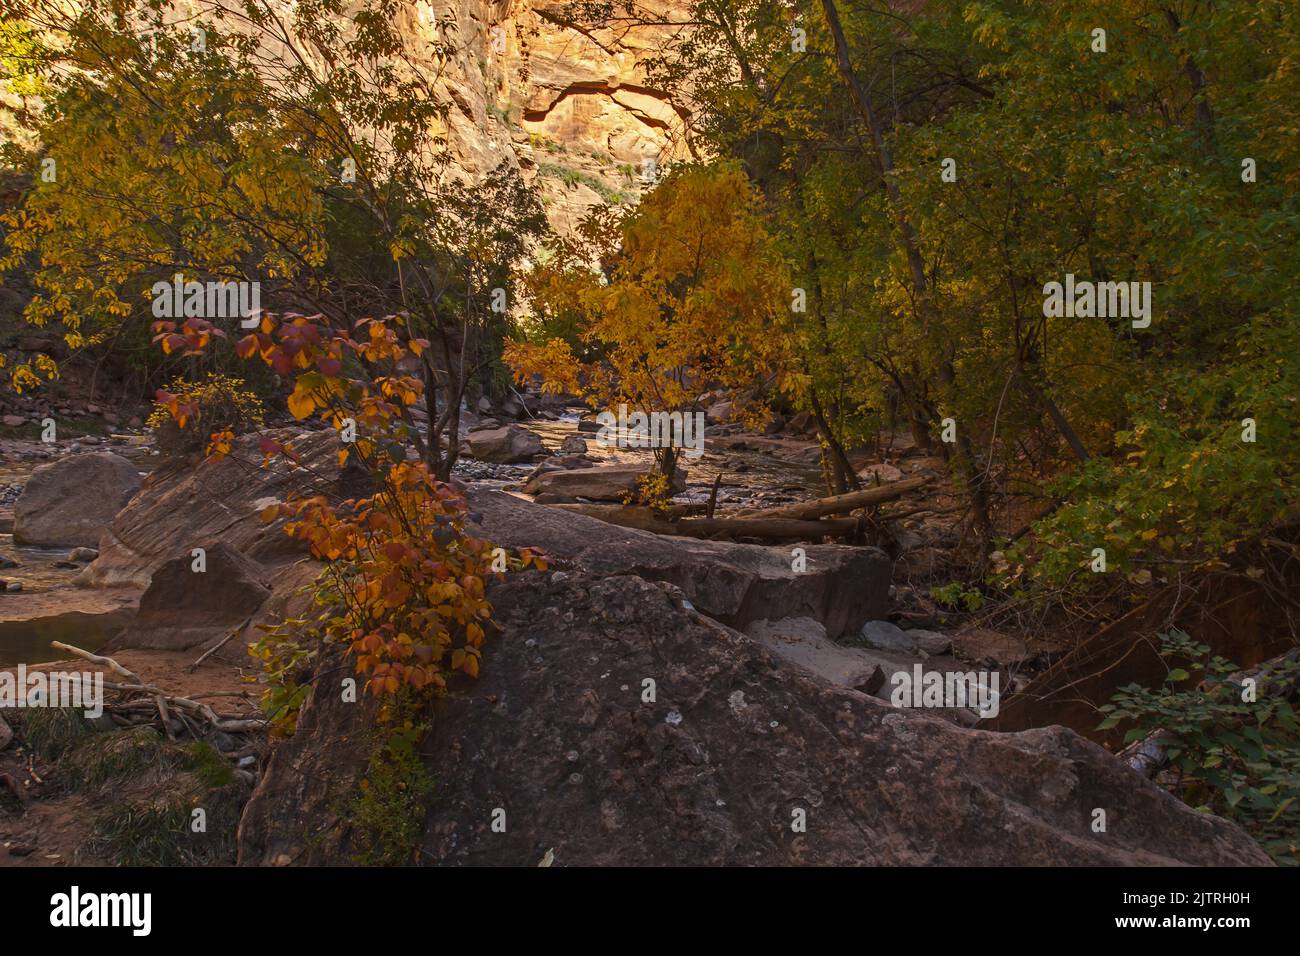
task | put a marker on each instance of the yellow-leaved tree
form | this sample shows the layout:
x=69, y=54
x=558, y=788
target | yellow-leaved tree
x=689, y=295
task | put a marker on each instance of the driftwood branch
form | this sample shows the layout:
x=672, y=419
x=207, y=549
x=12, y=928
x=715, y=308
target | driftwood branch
x=647, y=519
x=117, y=668
x=837, y=504
x=161, y=702
x=220, y=644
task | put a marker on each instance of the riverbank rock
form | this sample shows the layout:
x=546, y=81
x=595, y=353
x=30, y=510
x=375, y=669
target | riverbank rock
x=733, y=747
x=217, y=499
x=605, y=483
x=573, y=445
x=841, y=587
x=506, y=445
x=803, y=641
x=885, y=636
x=184, y=607
x=70, y=502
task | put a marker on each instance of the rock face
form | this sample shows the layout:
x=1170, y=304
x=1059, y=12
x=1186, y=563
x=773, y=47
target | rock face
x=503, y=446
x=185, y=608
x=71, y=501
x=218, y=499
x=735, y=583
x=734, y=747
x=568, y=106
x=604, y=483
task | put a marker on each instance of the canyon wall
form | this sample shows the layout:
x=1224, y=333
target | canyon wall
x=569, y=105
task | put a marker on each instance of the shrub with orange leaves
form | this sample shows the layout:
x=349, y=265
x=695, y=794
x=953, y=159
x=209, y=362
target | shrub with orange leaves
x=403, y=589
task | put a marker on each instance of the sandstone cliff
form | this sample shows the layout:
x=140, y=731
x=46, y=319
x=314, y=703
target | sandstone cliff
x=570, y=106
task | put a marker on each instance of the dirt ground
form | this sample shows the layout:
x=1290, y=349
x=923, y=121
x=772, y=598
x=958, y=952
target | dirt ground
x=53, y=828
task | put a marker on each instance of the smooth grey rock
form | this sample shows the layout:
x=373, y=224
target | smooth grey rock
x=885, y=636
x=734, y=583
x=932, y=642
x=503, y=446
x=72, y=501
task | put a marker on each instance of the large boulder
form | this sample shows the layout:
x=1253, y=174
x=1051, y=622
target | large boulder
x=506, y=445
x=184, y=607
x=70, y=502
x=840, y=586
x=604, y=483
x=713, y=768
x=220, y=499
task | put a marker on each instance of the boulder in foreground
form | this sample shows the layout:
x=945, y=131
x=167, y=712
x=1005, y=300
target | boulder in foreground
x=218, y=498
x=70, y=502
x=735, y=746
x=185, y=608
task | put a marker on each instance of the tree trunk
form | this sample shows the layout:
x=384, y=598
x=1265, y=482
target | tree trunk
x=907, y=235
x=836, y=470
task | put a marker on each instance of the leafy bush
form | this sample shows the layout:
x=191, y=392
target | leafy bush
x=1230, y=751
x=388, y=812
x=187, y=414
x=958, y=595
x=404, y=581
x=1191, y=485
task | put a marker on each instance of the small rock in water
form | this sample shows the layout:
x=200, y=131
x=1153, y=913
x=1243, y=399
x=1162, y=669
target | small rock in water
x=932, y=642
x=573, y=445
x=885, y=636
x=7, y=562
x=83, y=554
x=13, y=587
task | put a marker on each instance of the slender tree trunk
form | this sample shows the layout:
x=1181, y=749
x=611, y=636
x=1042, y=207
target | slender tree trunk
x=916, y=264
x=667, y=461
x=1196, y=77
x=836, y=470
x=1058, y=418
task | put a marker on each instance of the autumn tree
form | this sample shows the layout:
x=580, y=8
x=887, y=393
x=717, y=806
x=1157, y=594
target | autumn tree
x=689, y=299
x=927, y=171
x=243, y=142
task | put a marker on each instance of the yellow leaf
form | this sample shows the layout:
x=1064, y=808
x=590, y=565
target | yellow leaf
x=301, y=404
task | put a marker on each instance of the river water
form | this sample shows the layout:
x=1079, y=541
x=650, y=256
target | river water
x=747, y=475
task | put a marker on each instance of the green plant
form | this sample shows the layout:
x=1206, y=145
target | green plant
x=388, y=813
x=958, y=595
x=1233, y=748
x=158, y=829
x=571, y=177
x=49, y=731
x=205, y=762
x=104, y=757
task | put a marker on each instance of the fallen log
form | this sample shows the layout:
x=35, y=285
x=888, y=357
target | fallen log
x=161, y=702
x=837, y=504
x=634, y=516
x=767, y=527
x=647, y=519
